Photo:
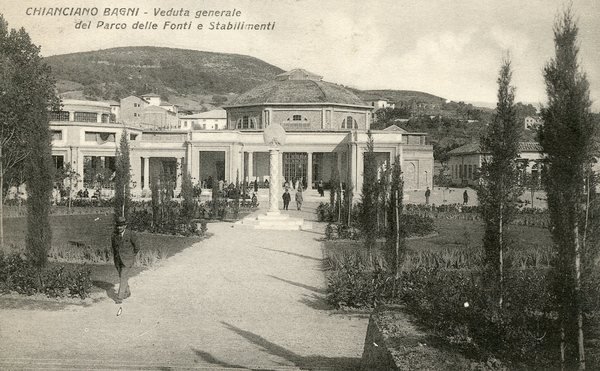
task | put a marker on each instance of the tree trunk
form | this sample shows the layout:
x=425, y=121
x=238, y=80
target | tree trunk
x=580, y=346
x=501, y=258
x=1, y=200
x=562, y=339
x=397, y=269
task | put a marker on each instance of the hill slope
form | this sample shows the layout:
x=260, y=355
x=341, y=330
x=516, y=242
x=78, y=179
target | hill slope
x=118, y=72
x=400, y=96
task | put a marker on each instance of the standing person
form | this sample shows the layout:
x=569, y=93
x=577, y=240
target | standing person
x=299, y=198
x=125, y=248
x=465, y=197
x=286, y=199
x=255, y=185
x=304, y=184
x=320, y=188
x=427, y=194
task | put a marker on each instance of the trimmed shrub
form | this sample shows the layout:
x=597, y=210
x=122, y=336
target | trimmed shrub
x=19, y=275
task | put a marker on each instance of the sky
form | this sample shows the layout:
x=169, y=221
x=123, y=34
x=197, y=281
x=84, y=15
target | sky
x=450, y=48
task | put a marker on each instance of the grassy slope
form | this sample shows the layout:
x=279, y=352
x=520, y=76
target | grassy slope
x=94, y=230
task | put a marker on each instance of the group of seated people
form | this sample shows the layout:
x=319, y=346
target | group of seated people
x=84, y=193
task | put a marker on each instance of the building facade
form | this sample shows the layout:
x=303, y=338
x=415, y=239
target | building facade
x=326, y=137
x=465, y=162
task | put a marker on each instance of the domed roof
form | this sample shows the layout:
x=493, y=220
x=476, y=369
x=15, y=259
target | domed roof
x=298, y=86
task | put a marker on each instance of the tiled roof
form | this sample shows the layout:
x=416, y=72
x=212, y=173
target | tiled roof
x=395, y=128
x=471, y=148
x=214, y=114
x=298, y=86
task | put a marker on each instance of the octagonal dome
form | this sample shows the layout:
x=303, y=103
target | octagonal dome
x=298, y=87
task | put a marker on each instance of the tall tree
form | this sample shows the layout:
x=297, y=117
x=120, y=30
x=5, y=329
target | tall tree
x=568, y=139
x=27, y=92
x=187, y=192
x=499, y=190
x=22, y=75
x=122, y=178
x=368, y=211
x=396, y=234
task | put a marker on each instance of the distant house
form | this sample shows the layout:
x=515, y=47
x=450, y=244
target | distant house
x=131, y=109
x=211, y=120
x=148, y=111
x=532, y=122
x=465, y=161
x=380, y=104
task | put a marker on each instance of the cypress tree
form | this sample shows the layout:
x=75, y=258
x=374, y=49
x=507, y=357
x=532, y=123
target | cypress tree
x=24, y=129
x=396, y=233
x=568, y=139
x=368, y=212
x=499, y=190
x=122, y=178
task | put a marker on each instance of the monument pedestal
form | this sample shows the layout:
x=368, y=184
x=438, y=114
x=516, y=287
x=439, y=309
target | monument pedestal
x=274, y=137
x=276, y=220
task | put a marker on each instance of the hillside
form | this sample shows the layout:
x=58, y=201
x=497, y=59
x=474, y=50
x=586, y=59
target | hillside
x=177, y=74
x=400, y=96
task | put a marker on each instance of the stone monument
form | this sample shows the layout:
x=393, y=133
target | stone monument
x=274, y=137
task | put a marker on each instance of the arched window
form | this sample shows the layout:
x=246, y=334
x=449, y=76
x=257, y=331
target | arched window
x=349, y=123
x=246, y=122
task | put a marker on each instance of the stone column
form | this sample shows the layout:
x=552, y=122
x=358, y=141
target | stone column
x=338, y=156
x=146, y=162
x=275, y=181
x=309, y=169
x=179, y=178
x=250, y=167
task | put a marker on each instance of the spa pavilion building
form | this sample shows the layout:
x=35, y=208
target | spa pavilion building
x=326, y=132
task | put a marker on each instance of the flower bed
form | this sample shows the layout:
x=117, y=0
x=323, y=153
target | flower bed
x=17, y=274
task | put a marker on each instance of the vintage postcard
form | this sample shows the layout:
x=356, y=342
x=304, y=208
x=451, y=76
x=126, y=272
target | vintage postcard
x=294, y=184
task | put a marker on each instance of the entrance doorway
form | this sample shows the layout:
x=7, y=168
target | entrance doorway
x=295, y=165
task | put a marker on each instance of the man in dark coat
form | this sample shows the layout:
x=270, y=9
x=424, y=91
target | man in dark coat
x=427, y=195
x=125, y=247
x=286, y=199
x=465, y=197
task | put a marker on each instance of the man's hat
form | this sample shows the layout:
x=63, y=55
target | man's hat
x=121, y=221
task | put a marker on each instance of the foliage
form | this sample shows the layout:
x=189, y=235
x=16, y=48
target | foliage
x=187, y=193
x=351, y=285
x=171, y=218
x=105, y=74
x=27, y=92
x=325, y=212
x=122, y=198
x=368, y=211
x=397, y=227
x=499, y=189
x=568, y=138
x=22, y=276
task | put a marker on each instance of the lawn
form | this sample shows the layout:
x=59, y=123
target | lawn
x=94, y=231
x=458, y=243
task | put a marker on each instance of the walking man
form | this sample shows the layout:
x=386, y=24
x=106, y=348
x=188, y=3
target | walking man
x=465, y=198
x=299, y=198
x=286, y=199
x=427, y=194
x=125, y=248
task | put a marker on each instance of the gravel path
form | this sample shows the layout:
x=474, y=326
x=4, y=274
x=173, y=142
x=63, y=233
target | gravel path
x=241, y=299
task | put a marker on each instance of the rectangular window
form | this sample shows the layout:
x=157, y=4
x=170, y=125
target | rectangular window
x=470, y=171
x=59, y=116
x=59, y=161
x=105, y=118
x=297, y=118
x=86, y=117
x=133, y=136
x=99, y=137
x=56, y=134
